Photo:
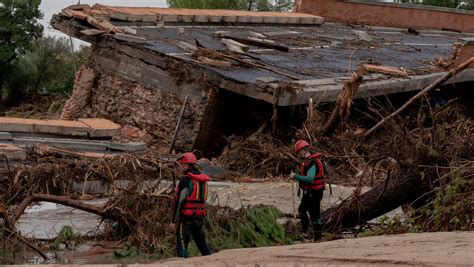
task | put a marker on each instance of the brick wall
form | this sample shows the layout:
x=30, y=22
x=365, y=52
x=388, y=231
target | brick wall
x=392, y=15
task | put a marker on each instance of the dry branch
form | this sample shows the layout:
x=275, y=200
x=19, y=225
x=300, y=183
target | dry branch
x=66, y=201
x=423, y=92
x=344, y=101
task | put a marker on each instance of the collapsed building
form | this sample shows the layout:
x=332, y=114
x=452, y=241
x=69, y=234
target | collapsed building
x=220, y=73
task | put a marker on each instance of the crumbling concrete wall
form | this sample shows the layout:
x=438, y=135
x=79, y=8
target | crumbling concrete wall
x=152, y=113
x=385, y=14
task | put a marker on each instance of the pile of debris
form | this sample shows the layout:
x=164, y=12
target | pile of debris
x=68, y=177
x=258, y=156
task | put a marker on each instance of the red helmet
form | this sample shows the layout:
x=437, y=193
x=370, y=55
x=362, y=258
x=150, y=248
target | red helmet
x=188, y=158
x=300, y=145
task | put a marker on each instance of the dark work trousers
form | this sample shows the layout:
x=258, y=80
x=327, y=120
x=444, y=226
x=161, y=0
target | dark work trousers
x=187, y=227
x=311, y=203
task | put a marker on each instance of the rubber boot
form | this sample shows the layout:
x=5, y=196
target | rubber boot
x=318, y=232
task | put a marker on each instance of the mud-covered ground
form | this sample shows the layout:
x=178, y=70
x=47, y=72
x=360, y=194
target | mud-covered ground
x=426, y=249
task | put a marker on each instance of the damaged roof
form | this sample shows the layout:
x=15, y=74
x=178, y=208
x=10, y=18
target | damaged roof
x=282, y=58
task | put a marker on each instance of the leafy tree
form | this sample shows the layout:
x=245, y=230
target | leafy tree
x=19, y=27
x=47, y=66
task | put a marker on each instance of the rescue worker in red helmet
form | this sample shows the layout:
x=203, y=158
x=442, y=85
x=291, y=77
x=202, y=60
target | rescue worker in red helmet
x=189, y=209
x=311, y=180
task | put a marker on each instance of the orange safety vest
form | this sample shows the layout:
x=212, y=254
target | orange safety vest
x=318, y=183
x=195, y=203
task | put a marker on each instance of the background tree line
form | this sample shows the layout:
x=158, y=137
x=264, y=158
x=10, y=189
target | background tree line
x=30, y=62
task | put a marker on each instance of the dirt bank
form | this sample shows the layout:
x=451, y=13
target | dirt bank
x=437, y=249
x=427, y=249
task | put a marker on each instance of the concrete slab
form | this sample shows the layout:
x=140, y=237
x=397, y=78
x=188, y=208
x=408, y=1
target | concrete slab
x=129, y=147
x=5, y=136
x=12, y=152
x=467, y=41
x=62, y=143
x=60, y=127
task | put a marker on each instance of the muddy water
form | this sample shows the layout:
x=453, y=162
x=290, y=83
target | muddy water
x=45, y=220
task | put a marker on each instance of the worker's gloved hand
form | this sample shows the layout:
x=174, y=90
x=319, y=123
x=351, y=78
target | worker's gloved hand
x=292, y=175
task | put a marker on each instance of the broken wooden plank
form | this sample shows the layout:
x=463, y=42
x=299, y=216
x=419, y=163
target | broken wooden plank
x=187, y=46
x=101, y=127
x=251, y=41
x=257, y=35
x=215, y=63
x=394, y=71
x=129, y=38
x=235, y=46
x=128, y=30
x=92, y=32
x=79, y=15
x=103, y=25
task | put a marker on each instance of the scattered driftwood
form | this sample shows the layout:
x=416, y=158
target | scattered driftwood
x=423, y=92
x=384, y=70
x=252, y=41
x=215, y=63
x=344, y=101
x=234, y=46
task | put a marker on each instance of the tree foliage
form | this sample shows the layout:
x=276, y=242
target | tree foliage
x=255, y=5
x=47, y=66
x=19, y=27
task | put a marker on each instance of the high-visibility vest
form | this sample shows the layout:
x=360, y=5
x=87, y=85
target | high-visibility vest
x=318, y=182
x=195, y=203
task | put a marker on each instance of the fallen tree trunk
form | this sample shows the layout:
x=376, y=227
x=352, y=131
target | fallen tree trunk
x=404, y=187
x=66, y=201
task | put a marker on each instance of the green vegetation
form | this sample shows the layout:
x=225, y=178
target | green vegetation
x=259, y=227
x=449, y=210
x=225, y=229
x=66, y=236
x=19, y=27
x=31, y=63
x=48, y=66
x=257, y=5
